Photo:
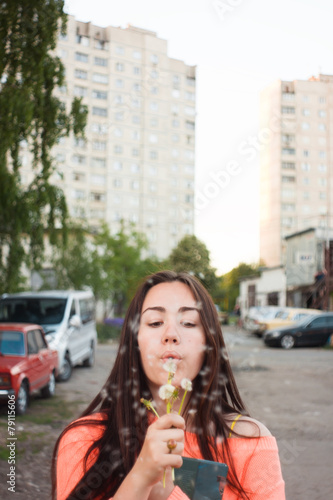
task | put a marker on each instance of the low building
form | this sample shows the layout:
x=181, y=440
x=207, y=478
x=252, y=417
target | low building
x=309, y=268
x=268, y=289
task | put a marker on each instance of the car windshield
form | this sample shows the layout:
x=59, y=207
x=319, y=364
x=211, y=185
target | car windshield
x=43, y=311
x=12, y=343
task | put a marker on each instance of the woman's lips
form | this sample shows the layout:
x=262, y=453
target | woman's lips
x=171, y=354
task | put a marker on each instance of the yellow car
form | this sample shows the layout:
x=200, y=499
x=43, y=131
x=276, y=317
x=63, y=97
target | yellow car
x=286, y=317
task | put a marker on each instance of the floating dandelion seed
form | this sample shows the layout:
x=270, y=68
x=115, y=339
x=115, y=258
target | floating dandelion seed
x=170, y=366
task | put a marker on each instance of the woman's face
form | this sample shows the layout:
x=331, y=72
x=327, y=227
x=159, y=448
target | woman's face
x=170, y=327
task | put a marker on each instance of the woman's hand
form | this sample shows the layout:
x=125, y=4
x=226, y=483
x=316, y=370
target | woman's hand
x=155, y=455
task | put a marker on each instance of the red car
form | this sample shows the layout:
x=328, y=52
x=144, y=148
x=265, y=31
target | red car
x=27, y=364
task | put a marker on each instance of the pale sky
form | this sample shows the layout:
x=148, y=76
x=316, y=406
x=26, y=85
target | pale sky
x=239, y=47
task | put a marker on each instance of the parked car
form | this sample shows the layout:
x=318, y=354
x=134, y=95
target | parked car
x=27, y=364
x=67, y=317
x=314, y=330
x=256, y=316
x=286, y=317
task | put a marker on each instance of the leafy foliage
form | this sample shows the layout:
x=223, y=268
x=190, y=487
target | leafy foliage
x=192, y=255
x=33, y=115
x=228, y=289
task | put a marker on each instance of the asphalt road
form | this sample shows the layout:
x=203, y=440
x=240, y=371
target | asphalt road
x=289, y=391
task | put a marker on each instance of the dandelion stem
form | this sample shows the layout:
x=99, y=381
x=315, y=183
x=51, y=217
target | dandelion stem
x=182, y=402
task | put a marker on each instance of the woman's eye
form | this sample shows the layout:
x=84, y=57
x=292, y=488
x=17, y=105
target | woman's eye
x=188, y=324
x=155, y=324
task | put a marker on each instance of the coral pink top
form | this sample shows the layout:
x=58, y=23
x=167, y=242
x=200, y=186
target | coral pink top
x=256, y=462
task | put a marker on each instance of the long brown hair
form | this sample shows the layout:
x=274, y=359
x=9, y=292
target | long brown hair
x=215, y=396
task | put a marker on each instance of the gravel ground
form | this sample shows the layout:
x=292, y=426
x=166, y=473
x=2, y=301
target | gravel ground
x=289, y=391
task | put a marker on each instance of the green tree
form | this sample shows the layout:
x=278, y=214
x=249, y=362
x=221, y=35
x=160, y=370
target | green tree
x=119, y=265
x=31, y=113
x=228, y=289
x=192, y=255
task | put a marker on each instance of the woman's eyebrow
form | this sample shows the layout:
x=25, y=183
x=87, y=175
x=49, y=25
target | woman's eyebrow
x=186, y=308
x=155, y=308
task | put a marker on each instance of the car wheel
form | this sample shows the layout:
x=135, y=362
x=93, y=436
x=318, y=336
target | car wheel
x=49, y=390
x=287, y=341
x=22, y=400
x=66, y=370
x=90, y=360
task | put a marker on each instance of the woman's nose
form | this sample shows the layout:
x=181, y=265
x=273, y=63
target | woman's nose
x=170, y=336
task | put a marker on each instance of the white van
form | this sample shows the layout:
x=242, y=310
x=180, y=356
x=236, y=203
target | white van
x=68, y=320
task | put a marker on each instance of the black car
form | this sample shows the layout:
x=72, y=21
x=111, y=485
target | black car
x=314, y=330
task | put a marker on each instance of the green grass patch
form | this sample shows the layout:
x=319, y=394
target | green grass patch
x=107, y=332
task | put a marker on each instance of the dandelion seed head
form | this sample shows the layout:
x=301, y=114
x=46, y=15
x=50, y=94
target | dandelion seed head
x=170, y=366
x=186, y=384
x=166, y=391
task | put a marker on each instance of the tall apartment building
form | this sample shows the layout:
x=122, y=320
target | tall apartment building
x=296, y=161
x=137, y=162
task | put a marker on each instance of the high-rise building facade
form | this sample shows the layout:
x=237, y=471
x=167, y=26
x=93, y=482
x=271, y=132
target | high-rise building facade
x=296, y=161
x=137, y=161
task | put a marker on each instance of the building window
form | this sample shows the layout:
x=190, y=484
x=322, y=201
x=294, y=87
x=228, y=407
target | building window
x=306, y=112
x=175, y=138
x=306, y=181
x=305, y=125
x=83, y=40
x=322, y=167
x=153, y=155
x=98, y=162
x=99, y=145
x=190, y=80
x=288, y=207
x=154, y=106
x=306, y=195
x=136, y=119
x=288, y=96
x=118, y=149
x=153, y=138
x=137, y=54
x=189, y=110
x=135, y=135
x=322, y=182
x=99, y=111
x=79, y=73
x=135, y=185
x=135, y=168
x=306, y=153
x=117, y=165
x=321, y=127
x=288, y=165
x=137, y=87
x=322, y=195
x=154, y=90
x=118, y=99
x=136, y=103
x=80, y=91
x=288, y=179
x=100, y=61
x=175, y=93
x=97, y=197
x=78, y=177
x=78, y=194
x=79, y=142
x=100, y=78
x=154, y=58
x=99, y=94
x=190, y=96
x=322, y=113
x=175, y=123
x=120, y=66
x=117, y=183
x=119, y=83
x=81, y=57
x=190, y=125
x=305, y=167
x=135, y=152
x=118, y=132
x=120, y=50
x=119, y=116
x=136, y=70
x=154, y=122
x=101, y=45
x=176, y=79
x=154, y=74
x=152, y=170
x=322, y=154
x=288, y=110
x=98, y=179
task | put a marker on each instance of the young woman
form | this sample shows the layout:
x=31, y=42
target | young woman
x=118, y=449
